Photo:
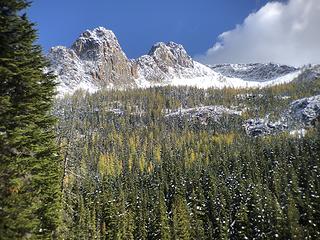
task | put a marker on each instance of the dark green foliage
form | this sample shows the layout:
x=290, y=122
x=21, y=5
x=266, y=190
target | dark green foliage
x=149, y=177
x=30, y=176
x=181, y=219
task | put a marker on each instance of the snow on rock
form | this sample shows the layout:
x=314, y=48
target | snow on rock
x=169, y=64
x=164, y=62
x=300, y=133
x=281, y=80
x=170, y=55
x=149, y=72
x=203, y=112
x=256, y=72
x=70, y=71
x=301, y=114
x=259, y=126
x=309, y=73
x=306, y=110
x=96, y=60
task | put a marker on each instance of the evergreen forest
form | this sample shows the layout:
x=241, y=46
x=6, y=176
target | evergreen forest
x=148, y=163
x=133, y=172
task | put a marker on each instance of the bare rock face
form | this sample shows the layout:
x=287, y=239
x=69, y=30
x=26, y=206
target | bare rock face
x=170, y=55
x=104, y=58
x=260, y=127
x=150, y=70
x=96, y=58
x=164, y=62
x=301, y=114
x=306, y=110
x=69, y=69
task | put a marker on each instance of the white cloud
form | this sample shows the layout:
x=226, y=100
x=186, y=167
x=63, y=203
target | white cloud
x=286, y=33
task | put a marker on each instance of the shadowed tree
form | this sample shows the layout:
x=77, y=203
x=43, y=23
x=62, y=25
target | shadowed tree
x=30, y=168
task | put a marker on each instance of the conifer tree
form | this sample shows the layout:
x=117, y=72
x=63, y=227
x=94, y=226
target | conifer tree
x=162, y=220
x=30, y=172
x=181, y=219
x=197, y=230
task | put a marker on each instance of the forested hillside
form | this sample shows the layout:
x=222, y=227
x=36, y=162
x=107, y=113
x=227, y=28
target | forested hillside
x=177, y=163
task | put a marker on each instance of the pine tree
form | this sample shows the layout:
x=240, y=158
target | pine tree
x=197, y=205
x=141, y=217
x=161, y=230
x=30, y=169
x=293, y=219
x=241, y=228
x=181, y=219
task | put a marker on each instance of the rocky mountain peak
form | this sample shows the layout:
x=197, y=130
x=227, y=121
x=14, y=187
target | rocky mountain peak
x=95, y=57
x=99, y=33
x=96, y=43
x=170, y=55
x=165, y=61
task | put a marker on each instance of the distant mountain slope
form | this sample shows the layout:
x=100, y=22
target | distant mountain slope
x=254, y=72
x=96, y=60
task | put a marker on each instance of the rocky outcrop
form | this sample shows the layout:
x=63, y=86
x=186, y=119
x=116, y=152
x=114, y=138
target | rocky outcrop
x=309, y=73
x=103, y=57
x=260, y=127
x=95, y=59
x=164, y=62
x=149, y=69
x=214, y=112
x=203, y=115
x=170, y=55
x=302, y=113
x=305, y=110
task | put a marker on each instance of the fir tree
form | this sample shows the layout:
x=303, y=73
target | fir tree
x=162, y=227
x=30, y=171
x=181, y=219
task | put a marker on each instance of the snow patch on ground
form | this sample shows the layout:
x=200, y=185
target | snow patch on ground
x=300, y=133
x=204, y=77
x=197, y=111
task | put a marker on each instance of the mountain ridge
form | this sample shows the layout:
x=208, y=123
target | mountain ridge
x=96, y=60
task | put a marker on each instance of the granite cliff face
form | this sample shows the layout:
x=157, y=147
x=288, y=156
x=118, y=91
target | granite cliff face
x=306, y=110
x=94, y=60
x=170, y=55
x=163, y=62
x=103, y=57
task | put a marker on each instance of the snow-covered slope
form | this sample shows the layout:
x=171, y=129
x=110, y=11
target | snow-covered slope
x=213, y=111
x=70, y=71
x=256, y=72
x=96, y=60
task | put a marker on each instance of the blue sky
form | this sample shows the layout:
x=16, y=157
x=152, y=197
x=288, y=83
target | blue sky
x=139, y=24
